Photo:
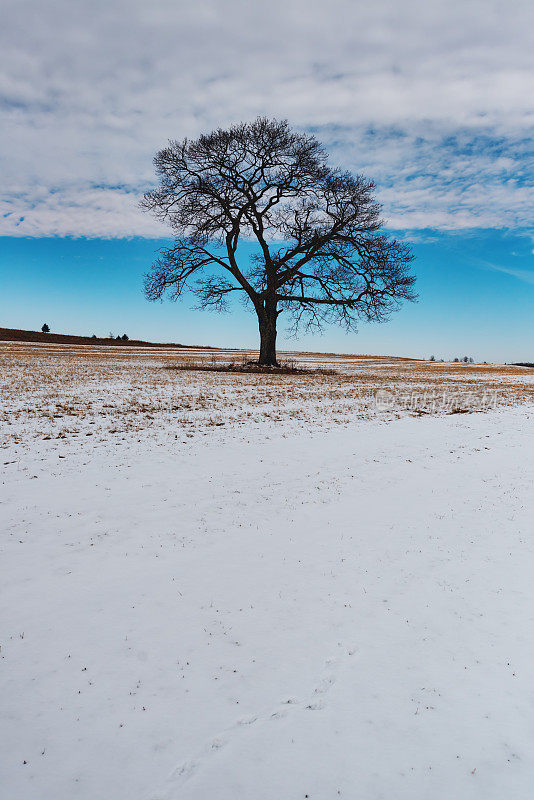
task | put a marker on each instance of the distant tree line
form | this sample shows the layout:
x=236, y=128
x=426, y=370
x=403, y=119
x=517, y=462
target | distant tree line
x=124, y=338
x=464, y=360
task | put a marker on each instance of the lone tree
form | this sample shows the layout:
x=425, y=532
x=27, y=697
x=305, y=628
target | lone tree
x=320, y=255
x=45, y=328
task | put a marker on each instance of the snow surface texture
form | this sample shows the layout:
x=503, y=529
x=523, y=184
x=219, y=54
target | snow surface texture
x=256, y=613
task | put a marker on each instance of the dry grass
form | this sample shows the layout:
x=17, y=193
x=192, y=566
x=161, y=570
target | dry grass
x=74, y=390
x=247, y=366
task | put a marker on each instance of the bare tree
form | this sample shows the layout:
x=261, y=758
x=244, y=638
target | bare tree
x=320, y=255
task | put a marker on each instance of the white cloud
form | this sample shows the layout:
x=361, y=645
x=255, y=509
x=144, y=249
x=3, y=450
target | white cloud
x=89, y=91
x=526, y=275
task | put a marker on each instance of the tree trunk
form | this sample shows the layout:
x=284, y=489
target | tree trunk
x=267, y=325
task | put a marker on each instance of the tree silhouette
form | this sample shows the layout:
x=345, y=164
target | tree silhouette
x=45, y=328
x=320, y=255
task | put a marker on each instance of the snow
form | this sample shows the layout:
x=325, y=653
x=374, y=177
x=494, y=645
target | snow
x=271, y=612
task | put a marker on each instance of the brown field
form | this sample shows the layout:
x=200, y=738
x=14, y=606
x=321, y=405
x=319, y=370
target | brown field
x=18, y=335
x=68, y=390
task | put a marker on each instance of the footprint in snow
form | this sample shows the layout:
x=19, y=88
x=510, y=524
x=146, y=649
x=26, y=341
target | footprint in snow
x=188, y=768
x=325, y=685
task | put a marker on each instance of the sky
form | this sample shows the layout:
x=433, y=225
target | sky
x=433, y=100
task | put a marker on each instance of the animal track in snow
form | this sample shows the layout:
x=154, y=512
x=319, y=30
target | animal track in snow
x=325, y=685
x=287, y=708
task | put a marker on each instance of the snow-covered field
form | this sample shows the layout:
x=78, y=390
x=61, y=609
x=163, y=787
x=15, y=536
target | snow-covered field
x=314, y=599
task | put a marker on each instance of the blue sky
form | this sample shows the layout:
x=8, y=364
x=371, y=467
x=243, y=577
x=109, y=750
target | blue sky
x=432, y=100
x=467, y=304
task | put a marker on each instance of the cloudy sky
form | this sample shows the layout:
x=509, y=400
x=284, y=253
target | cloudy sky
x=434, y=100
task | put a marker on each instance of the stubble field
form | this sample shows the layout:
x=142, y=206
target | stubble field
x=66, y=391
